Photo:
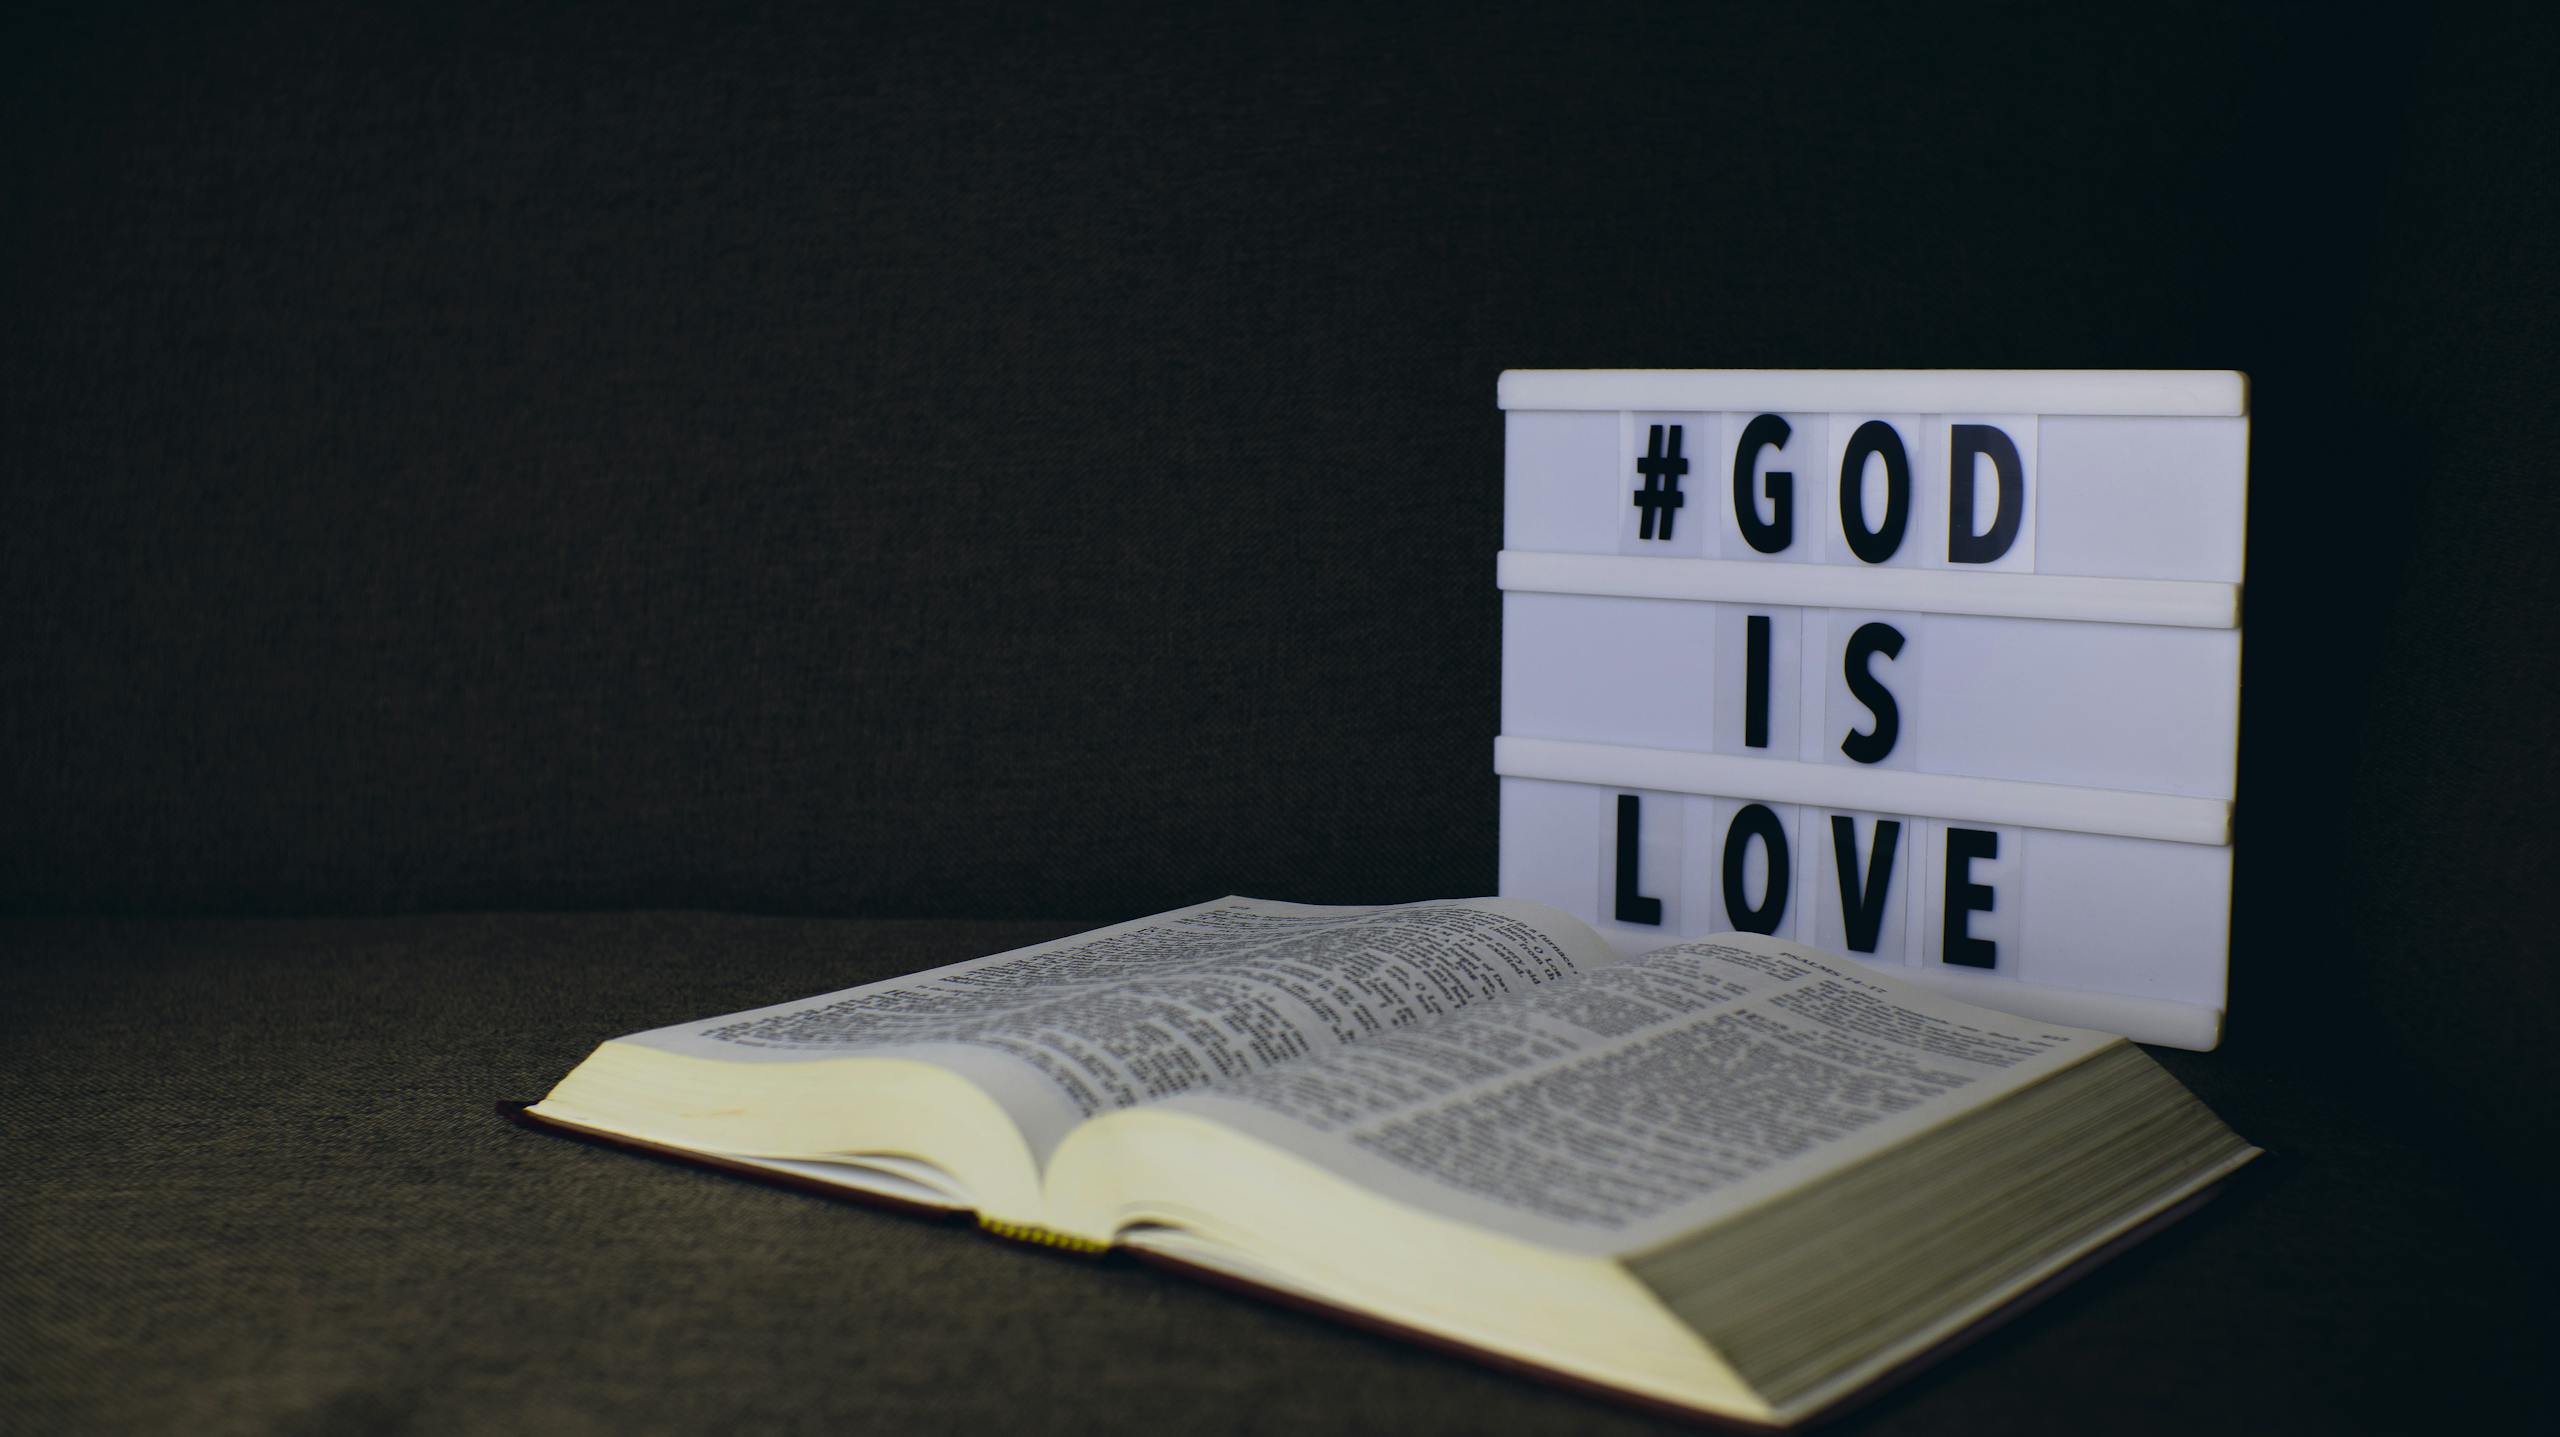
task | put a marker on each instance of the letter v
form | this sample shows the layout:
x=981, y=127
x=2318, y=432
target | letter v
x=1862, y=903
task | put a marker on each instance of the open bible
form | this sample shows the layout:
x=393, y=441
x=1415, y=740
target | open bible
x=1736, y=1176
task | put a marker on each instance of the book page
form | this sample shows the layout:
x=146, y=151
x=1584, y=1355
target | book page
x=1648, y=1099
x=1148, y=1009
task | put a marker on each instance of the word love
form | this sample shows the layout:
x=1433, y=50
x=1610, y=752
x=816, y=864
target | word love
x=1755, y=868
x=1872, y=528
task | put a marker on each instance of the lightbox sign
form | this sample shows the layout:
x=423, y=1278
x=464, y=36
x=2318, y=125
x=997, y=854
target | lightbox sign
x=1936, y=668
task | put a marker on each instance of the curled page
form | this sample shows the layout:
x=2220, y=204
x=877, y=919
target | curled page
x=1062, y=1031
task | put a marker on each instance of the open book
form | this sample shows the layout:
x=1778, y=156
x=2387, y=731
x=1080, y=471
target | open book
x=1736, y=1176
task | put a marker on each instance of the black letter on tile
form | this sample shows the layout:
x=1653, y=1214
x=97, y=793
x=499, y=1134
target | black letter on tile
x=1964, y=897
x=1756, y=820
x=1870, y=640
x=1767, y=431
x=1862, y=904
x=1964, y=441
x=1877, y=544
x=1755, y=681
x=1633, y=907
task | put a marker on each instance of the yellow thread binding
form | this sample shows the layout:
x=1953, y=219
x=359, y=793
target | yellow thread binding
x=1045, y=1237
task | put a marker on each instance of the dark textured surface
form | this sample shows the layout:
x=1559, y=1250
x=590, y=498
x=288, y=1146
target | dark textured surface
x=255, y=1185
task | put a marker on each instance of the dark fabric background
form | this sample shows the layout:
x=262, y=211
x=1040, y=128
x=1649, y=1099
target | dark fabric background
x=930, y=460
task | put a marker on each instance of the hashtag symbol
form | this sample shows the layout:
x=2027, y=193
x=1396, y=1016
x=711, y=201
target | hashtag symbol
x=1660, y=495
